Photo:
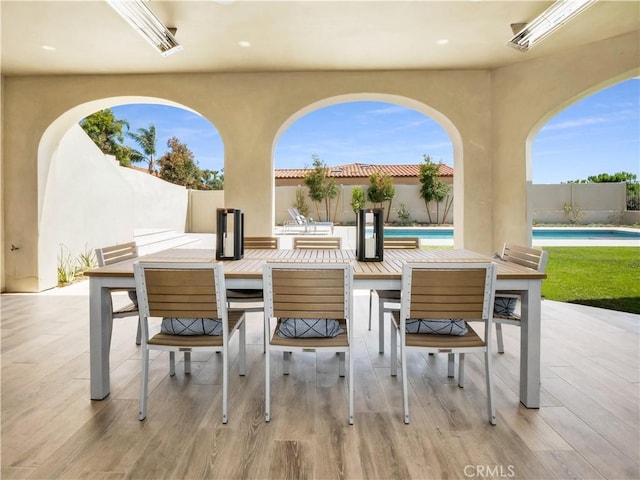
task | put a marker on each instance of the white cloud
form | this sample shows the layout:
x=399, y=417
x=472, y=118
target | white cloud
x=578, y=123
x=390, y=110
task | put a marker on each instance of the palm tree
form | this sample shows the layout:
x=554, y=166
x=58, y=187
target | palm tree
x=146, y=139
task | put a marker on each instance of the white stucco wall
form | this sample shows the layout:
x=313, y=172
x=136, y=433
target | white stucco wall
x=157, y=204
x=201, y=215
x=87, y=204
x=341, y=211
x=597, y=202
x=92, y=202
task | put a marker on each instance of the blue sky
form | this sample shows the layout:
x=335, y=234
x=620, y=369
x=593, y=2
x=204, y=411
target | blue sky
x=599, y=134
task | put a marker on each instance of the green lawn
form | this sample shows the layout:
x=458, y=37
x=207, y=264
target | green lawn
x=605, y=277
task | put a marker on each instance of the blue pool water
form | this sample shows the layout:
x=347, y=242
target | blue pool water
x=554, y=233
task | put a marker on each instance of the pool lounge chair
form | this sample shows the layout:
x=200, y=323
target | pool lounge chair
x=309, y=225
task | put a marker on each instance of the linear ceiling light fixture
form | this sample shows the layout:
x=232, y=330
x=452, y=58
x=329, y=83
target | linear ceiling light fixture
x=143, y=20
x=546, y=23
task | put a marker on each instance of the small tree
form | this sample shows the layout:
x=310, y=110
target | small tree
x=106, y=131
x=427, y=175
x=440, y=194
x=357, y=198
x=573, y=212
x=404, y=215
x=381, y=190
x=178, y=166
x=301, y=202
x=322, y=189
x=213, y=179
x=433, y=189
x=146, y=140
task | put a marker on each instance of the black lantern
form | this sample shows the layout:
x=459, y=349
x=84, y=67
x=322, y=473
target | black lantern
x=369, y=234
x=229, y=234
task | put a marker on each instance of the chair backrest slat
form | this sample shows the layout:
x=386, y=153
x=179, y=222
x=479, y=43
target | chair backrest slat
x=525, y=256
x=116, y=253
x=318, y=243
x=261, y=243
x=401, y=243
x=461, y=291
x=308, y=291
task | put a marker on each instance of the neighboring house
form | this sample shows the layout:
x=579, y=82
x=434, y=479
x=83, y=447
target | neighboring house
x=359, y=173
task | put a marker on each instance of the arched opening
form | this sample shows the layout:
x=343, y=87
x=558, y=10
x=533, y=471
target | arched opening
x=407, y=190
x=85, y=200
x=594, y=133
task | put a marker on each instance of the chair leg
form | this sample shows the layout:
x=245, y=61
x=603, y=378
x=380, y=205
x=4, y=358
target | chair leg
x=393, y=345
x=405, y=387
x=461, y=370
x=492, y=411
x=380, y=325
x=242, y=349
x=264, y=341
x=267, y=371
x=370, y=305
x=285, y=362
x=187, y=362
x=350, y=384
x=139, y=334
x=451, y=367
x=341, y=364
x=172, y=363
x=499, y=337
x=144, y=379
x=225, y=382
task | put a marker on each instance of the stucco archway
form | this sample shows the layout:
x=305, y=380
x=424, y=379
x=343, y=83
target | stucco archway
x=95, y=207
x=561, y=107
x=548, y=115
x=428, y=111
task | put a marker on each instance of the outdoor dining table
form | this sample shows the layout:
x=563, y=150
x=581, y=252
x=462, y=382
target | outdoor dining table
x=246, y=273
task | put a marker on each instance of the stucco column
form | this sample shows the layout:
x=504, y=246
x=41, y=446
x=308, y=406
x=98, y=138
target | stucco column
x=20, y=189
x=248, y=178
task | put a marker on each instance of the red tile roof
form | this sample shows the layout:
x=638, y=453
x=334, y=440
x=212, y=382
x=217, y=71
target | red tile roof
x=361, y=170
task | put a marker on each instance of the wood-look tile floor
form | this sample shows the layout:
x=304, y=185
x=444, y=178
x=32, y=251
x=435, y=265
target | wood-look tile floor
x=587, y=426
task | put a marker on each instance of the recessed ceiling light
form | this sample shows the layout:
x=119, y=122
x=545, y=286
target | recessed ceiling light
x=244, y=43
x=49, y=48
x=442, y=41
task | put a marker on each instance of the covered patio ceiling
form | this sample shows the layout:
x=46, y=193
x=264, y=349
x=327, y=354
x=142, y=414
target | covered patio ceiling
x=88, y=37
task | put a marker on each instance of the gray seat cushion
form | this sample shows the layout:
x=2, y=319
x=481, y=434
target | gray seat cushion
x=505, y=305
x=191, y=326
x=309, y=328
x=432, y=326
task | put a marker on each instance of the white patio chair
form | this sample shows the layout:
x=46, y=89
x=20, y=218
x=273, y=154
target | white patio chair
x=388, y=300
x=251, y=300
x=308, y=224
x=115, y=254
x=317, y=243
x=437, y=300
x=507, y=304
x=191, y=300
x=308, y=308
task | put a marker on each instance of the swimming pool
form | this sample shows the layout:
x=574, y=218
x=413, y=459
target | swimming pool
x=439, y=233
